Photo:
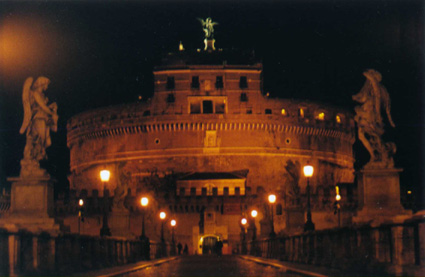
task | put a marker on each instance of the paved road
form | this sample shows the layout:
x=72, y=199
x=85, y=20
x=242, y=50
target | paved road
x=210, y=265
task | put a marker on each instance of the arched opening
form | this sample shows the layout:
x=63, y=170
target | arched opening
x=210, y=244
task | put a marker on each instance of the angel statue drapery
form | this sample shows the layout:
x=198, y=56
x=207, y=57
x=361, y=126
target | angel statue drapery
x=39, y=119
x=374, y=98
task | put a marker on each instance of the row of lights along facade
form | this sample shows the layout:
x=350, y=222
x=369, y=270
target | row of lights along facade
x=208, y=147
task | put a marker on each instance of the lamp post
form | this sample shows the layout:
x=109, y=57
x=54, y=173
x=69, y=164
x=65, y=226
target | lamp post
x=337, y=208
x=272, y=200
x=104, y=177
x=80, y=213
x=162, y=216
x=145, y=245
x=173, y=223
x=308, y=172
x=254, y=214
x=243, y=243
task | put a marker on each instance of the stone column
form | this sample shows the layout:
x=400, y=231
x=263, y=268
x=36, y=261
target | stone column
x=13, y=254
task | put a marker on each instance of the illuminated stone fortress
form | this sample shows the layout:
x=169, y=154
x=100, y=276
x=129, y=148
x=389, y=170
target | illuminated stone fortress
x=207, y=148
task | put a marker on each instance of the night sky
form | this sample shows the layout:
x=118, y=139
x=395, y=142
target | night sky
x=103, y=53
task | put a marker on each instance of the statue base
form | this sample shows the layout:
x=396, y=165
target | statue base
x=32, y=205
x=119, y=222
x=379, y=196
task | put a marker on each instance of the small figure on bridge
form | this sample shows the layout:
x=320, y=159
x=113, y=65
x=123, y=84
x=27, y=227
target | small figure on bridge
x=179, y=248
x=185, y=250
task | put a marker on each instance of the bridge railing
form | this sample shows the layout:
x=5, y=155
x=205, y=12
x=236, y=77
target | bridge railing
x=390, y=248
x=24, y=253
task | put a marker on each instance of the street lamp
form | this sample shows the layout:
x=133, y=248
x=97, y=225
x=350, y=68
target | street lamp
x=272, y=200
x=244, y=221
x=104, y=177
x=173, y=223
x=254, y=214
x=80, y=213
x=308, y=172
x=162, y=216
x=337, y=206
x=144, y=201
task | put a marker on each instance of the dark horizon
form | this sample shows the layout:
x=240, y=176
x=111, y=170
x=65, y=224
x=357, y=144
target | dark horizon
x=103, y=53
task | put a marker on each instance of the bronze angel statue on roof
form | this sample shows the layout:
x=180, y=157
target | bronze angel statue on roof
x=39, y=119
x=208, y=27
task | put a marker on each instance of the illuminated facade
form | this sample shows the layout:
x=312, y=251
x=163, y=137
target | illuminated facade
x=208, y=147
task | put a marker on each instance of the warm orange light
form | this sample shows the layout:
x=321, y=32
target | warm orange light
x=254, y=213
x=81, y=202
x=338, y=119
x=162, y=215
x=338, y=197
x=283, y=112
x=320, y=116
x=105, y=175
x=173, y=223
x=301, y=113
x=243, y=221
x=308, y=171
x=272, y=198
x=144, y=201
x=409, y=192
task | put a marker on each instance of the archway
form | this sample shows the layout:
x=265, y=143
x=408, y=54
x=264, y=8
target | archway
x=208, y=244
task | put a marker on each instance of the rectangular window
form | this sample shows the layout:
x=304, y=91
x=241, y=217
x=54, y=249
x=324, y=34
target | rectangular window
x=195, y=82
x=220, y=108
x=219, y=82
x=192, y=191
x=226, y=191
x=243, y=83
x=170, y=82
x=214, y=191
x=181, y=192
x=237, y=191
x=195, y=108
x=204, y=191
x=207, y=106
x=249, y=111
x=268, y=111
x=244, y=97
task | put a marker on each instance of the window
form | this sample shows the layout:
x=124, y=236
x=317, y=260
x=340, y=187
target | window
x=195, y=108
x=170, y=82
x=195, y=82
x=214, y=191
x=249, y=111
x=226, y=191
x=219, y=82
x=192, y=191
x=181, y=193
x=244, y=97
x=219, y=108
x=171, y=98
x=320, y=116
x=243, y=83
x=237, y=191
x=207, y=106
x=268, y=111
x=204, y=191
x=146, y=113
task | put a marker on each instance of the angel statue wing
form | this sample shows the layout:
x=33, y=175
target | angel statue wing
x=26, y=103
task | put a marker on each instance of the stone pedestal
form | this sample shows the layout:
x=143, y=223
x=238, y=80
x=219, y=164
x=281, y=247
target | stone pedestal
x=379, y=196
x=119, y=222
x=32, y=205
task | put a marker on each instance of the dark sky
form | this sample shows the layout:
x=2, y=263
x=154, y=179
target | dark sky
x=103, y=53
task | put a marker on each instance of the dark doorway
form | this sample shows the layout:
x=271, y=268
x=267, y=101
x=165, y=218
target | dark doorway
x=208, y=245
x=207, y=106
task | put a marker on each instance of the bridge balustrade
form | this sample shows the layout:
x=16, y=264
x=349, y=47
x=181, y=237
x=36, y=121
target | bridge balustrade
x=25, y=253
x=389, y=248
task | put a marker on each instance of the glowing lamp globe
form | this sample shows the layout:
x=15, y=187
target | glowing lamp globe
x=272, y=198
x=81, y=202
x=308, y=171
x=162, y=215
x=173, y=223
x=254, y=213
x=243, y=221
x=144, y=201
x=105, y=175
